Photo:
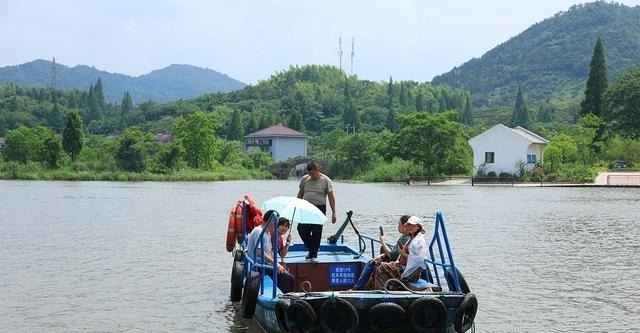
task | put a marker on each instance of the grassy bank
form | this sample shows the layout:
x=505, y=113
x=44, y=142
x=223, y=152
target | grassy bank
x=34, y=171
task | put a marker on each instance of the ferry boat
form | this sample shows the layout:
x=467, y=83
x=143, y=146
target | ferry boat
x=322, y=300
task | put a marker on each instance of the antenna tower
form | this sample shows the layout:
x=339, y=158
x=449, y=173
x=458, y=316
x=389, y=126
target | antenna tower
x=53, y=73
x=340, y=51
x=353, y=52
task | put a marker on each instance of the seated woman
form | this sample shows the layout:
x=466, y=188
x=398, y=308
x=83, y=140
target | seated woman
x=410, y=263
x=286, y=280
x=390, y=254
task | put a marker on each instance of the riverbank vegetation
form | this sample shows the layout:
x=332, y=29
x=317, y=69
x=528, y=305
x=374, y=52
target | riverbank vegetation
x=360, y=130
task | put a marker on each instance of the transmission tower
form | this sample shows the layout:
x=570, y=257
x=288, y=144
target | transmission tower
x=53, y=73
x=340, y=51
x=353, y=52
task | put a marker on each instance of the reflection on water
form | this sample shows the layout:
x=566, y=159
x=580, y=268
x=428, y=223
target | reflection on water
x=127, y=257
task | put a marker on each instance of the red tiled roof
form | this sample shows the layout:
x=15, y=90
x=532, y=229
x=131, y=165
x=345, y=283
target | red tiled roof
x=277, y=130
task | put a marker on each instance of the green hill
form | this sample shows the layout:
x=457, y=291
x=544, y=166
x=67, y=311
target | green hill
x=551, y=58
x=163, y=85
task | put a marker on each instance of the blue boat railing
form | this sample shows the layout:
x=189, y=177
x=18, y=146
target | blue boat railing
x=372, y=243
x=439, y=238
x=254, y=265
x=439, y=243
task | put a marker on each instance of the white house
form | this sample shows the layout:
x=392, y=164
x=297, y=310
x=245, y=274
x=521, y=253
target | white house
x=502, y=149
x=280, y=141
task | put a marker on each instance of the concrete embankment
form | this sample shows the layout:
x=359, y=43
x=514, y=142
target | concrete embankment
x=605, y=178
x=618, y=178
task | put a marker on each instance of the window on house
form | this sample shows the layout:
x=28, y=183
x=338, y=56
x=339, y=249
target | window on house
x=488, y=157
x=531, y=159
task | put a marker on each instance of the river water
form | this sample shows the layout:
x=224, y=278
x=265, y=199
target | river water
x=150, y=257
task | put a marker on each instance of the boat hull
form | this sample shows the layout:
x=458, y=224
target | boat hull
x=366, y=318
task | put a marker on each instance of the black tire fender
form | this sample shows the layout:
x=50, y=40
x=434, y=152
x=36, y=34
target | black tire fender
x=302, y=317
x=282, y=309
x=237, y=255
x=250, y=295
x=338, y=315
x=428, y=315
x=466, y=313
x=237, y=278
x=386, y=317
x=451, y=283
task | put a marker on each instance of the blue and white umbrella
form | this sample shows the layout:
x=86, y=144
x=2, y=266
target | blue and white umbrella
x=295, y=209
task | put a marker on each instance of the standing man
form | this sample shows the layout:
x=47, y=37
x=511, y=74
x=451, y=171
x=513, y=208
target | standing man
x=315, y=187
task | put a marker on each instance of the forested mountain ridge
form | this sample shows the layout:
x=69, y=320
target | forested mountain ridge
x=551, y=58
x=312, y=98
x=171, y=83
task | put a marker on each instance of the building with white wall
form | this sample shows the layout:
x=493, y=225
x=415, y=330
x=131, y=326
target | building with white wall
x=280, y=141
x=503, y=149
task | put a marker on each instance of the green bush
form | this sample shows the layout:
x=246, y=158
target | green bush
x=396, y=171
x=505, y=175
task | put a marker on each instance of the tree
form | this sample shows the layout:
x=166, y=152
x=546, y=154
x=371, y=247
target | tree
x=585, y=138
x=624, y=149
x=546, y=112
x=622, y=101
x=420, y=102
x=51, y=147
x=403, y=95
x=99, y=94
x=130, y=150
x=23, y=145
x=236, y=128
x=467, y=117
x=295, y=120
x=391, y=114
x=126, y=108
x=350, y=115
x=430, y=140
x=231, y=153
x=196, y=133
x=168, y=155
x=38, y=144
x=561, y=150
x=14, y=103
x=56, y=118
x=355, y=153
x=72, y=137
x=596, y=83
x=520, y=115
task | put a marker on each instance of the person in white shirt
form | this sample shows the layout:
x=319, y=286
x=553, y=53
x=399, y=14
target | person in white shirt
x=410, y=263
x=286, y=280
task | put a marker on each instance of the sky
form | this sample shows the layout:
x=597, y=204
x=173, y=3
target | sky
x=252, y=40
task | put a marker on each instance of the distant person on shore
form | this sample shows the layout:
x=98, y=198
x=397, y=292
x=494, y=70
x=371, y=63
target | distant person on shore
x=315, y=187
